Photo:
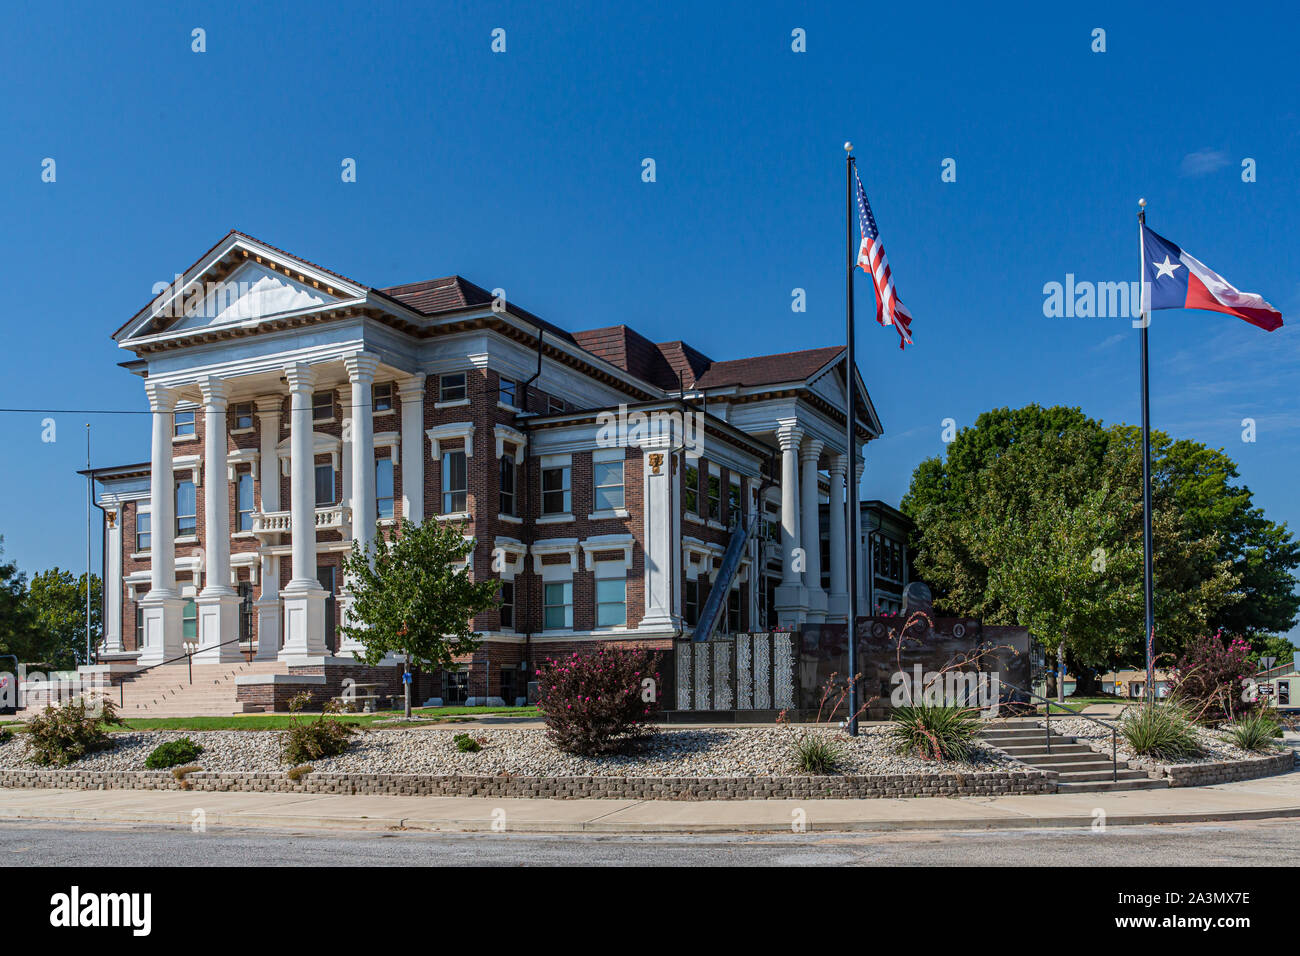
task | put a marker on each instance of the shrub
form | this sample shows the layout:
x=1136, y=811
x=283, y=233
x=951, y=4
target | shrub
x=817, y=754
x=1162, y=731
x=1255, y=732
x=308, y=740
x=172, y=753
x=467, y=744
x=60, y=735
x=936, y=731
x=297, y=773
x=598, y=703
x=1208, y=678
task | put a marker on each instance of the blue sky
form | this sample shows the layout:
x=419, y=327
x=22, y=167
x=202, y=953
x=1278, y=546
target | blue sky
x=523, y=170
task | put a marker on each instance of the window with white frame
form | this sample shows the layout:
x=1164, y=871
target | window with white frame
x=507, y=606
x=322, y=406
x=607, y=482
x=139, y=626
x=557, y=605
x=454, y=483
x=451, y=387
x=183, y=424
x=556, y=491
x=244, y=501
x=381, y=397
x=325, y=484
x=611, y=599
x=142, y=536
x=241, y=416
x=509, y=477
x=186, y=508
x=384, y=496
x=189, y=621
x=507, y=392
x=691, y=478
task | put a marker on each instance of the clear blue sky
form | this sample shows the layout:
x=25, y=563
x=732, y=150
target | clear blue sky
x=523, y=170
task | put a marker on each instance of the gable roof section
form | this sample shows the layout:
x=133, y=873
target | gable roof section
x=769, y=369
x=689, y=362
x=630, y=351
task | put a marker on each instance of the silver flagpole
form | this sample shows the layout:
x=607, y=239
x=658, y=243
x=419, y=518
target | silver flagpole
x=1147, y=591
x=850, y=434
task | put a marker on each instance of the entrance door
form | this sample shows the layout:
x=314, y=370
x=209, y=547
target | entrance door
x=325, y=575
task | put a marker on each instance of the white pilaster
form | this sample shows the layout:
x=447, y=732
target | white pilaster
x=162, y=605
x=791, y=598
x=838, y=603
x=304, y=598
x=864, y=553
x=411, y=394
x=810, y=523
x=218, y=603
x=269, y=612
x=663, y=552
x=112, y=585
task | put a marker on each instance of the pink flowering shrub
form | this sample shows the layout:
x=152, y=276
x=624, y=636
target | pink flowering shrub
x=1209, y=677
x=599, y=703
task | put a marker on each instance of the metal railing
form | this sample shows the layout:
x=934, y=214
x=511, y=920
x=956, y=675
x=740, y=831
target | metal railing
x=1114, y=734
x=188, y=657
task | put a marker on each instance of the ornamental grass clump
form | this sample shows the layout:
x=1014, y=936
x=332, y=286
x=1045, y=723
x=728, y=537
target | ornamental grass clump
x=61, y=735
x=936, y=731
x=1160, y=731
x=1255, y=732
x=308, y=740
x=817, y=754
x=599, y=703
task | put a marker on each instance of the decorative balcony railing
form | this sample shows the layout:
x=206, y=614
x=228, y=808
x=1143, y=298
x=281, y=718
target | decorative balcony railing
x=328, y=518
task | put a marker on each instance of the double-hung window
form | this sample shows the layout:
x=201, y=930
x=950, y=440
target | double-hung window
x=454, y=485
x=507, y=389
x=186, y=508
x=381, y=397
x=607, y=481
x=509, y=475
x=507, y=606
x=715, y=497
x=384, y=487
x=244, y=502
x=451, y=387
x=183, y=424
x=241, y=416
x=611, y=601
x=322, y=406
x=556, y=492
x=691, y=602
x=325, y=484
x=142, y=536
x=692, y=492
x=557, y=605
x=190, y=621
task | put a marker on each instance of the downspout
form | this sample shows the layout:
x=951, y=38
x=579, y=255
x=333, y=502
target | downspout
x=103, y=571
x=528, y=458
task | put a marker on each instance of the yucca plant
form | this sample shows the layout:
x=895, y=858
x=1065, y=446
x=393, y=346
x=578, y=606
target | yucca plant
x=817, y=754
x=936, y=731
x=1255, y=732
x=1161, y=731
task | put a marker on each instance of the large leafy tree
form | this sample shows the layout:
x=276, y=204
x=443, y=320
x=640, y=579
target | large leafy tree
x=1035, y=517
x=413, y=595
x=15, y=615
x=57, y=600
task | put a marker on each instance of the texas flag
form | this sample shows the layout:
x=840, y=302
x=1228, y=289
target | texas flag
x=1175, y=280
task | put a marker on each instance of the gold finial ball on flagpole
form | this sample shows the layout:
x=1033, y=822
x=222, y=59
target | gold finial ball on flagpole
x=848, y=147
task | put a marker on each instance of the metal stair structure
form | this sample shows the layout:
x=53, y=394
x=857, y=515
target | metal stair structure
x=1080, y=769
x=716, y=603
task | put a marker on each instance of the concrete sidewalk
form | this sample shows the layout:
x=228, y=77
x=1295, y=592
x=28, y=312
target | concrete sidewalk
x=1246, y=800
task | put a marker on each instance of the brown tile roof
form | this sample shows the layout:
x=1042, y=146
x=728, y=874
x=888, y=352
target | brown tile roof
x=439, y=295
x=690, y=363
x=630, y=351
x=768, y=369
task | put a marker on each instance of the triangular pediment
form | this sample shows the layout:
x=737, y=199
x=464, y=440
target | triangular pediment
x=249, y=293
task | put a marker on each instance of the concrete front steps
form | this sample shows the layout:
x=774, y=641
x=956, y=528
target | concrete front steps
x=166, y=690
x=1080, y=768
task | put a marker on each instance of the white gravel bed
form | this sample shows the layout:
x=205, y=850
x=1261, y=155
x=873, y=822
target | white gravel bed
x=1216, y=745
x=703, y=752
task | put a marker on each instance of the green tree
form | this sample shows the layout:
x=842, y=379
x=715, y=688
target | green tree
x=1036, y=517
x=413, y=595
x=15, y=614
x=57, y=601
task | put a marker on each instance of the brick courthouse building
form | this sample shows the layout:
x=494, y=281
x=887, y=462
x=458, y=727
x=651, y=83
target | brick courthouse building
x=288, y=397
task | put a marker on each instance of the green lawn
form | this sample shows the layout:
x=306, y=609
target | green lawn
x=1078, y=703
x=281, y=721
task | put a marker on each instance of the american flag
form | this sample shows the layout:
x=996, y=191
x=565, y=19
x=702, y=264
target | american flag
x=872, y=258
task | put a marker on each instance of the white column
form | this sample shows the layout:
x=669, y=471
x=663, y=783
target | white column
x=112, y=584
x=345, y=456
x=791, y=598
x=411, y=394
x=269, y=612
x=304, y=598
x=838, y=603
x=218, y=603
x=361, y=368
x=810, y=523
x=663, y=549
x=162, y=605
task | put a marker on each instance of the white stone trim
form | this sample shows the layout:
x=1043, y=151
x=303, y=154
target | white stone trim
x=551, y=546
x=441, y=433
x=391, y=440
x=242, y=456
x=608, y=542
x=514, y=548
x=504, y=433
x=322, y=444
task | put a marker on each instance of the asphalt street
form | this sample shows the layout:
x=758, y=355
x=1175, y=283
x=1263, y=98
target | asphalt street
x=42, y=843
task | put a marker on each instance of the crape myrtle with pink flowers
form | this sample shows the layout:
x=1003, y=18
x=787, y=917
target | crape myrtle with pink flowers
x=599, y=703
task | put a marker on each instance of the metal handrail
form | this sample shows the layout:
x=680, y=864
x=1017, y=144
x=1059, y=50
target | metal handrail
x=187, y=656
x=1114, y=735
